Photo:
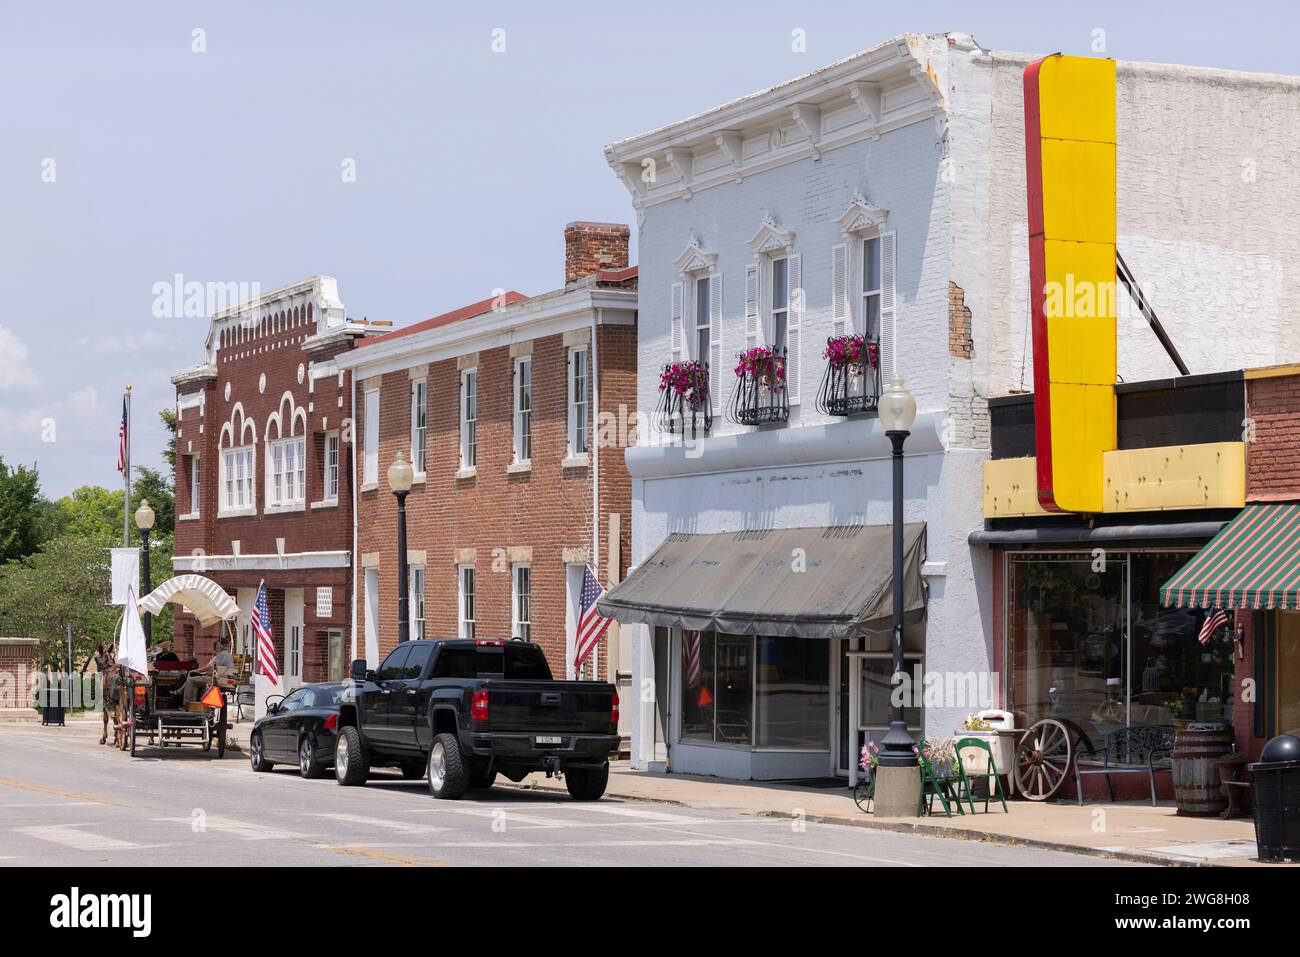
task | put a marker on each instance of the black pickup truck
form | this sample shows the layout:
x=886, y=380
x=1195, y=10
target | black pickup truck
x=462, y=710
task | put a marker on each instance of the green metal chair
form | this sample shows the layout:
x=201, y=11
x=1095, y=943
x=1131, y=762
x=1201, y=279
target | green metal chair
x=931, y=787
x=964, y=784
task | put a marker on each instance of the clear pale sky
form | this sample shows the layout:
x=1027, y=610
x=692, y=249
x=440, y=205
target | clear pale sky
x=225, y=165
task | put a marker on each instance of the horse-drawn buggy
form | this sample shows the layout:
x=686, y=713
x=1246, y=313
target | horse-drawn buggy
x=175, y=702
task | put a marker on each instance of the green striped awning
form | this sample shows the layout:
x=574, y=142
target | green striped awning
x=1254, y=562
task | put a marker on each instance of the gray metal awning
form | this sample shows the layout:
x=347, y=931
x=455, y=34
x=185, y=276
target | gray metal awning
x=825, y=582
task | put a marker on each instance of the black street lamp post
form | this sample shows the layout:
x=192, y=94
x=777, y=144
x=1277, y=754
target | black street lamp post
x=897, y=413
x=144, y=518
x=400, y=477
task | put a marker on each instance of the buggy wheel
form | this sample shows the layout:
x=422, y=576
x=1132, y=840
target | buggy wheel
x=1044, y=759
x=221, y=738
x=133, y=724
x=863, y=794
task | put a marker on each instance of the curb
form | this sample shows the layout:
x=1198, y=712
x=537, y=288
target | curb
x=922, y=830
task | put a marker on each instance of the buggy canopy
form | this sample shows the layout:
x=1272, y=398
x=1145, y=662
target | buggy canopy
x=202, y=597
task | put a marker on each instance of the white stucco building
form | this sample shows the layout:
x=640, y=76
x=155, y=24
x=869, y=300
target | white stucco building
x=885, y=195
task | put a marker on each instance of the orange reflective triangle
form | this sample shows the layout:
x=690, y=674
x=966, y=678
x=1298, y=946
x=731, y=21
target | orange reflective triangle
x=213, y=698
x=705, y=699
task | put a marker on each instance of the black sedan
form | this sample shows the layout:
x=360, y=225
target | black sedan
x=300, y=728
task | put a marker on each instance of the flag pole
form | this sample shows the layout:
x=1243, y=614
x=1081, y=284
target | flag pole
x=126, y=478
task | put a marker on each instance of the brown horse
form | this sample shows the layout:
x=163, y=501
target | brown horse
x=110, y=678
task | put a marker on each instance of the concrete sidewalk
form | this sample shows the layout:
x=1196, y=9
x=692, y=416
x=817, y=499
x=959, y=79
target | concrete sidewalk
x=1127, y=831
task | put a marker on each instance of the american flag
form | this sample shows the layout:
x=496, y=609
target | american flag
x=691, y=654
x=121, y=441
x=591, y=627
x=260, y=621
x=1213, y=623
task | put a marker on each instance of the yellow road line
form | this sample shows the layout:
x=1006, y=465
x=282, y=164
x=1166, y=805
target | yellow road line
x=386, y=857
x=57, y=792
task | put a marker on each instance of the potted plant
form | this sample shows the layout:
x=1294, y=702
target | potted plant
x=688, y=381
x=763, y=365
x=851, y=350
x=941, y=753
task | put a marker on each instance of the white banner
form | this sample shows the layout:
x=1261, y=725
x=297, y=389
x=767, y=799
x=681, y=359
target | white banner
x=126, y=573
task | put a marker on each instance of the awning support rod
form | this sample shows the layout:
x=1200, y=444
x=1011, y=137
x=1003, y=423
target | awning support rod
x=1140, y=300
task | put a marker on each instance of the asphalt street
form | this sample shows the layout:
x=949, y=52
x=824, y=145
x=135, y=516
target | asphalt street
x=66, y=800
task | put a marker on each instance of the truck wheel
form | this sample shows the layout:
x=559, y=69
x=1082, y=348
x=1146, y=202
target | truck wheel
x=257, y=755
x=587, y=784
x=480, y=778
x=350, y=764
x=448, y=776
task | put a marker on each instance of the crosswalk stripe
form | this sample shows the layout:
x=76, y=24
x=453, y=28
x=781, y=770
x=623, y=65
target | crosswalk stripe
x=364, y=821
x=642, y=815
x=68, y=835
x=242, y=829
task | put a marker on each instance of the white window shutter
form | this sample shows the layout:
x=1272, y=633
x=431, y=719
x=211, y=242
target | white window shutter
x=888, y=308
x=677, y=321
x=751, y=305
x=840, y=289
x=715, y=342
x=794, y=330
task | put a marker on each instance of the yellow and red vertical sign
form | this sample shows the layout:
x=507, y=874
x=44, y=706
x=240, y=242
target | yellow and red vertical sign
x=1070, y=167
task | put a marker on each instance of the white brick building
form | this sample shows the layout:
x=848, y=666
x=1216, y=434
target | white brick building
x=906, y=163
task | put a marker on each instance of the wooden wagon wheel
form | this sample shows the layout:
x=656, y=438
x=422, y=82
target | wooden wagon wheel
x=1044, y=759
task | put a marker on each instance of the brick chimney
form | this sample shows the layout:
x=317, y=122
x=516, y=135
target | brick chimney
x=592, y=247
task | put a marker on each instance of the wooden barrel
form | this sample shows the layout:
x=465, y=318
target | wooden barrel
x=1196, y=771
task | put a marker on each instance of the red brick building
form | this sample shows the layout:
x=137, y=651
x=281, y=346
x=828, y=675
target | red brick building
x=514, y=412
x=263, y=475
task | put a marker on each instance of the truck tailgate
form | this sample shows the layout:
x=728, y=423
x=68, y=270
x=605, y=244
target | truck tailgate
x=541, y=707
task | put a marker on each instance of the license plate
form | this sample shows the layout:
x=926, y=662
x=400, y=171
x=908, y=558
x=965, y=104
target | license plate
x=548, y=739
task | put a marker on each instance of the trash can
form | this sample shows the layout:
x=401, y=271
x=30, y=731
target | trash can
x=1276, y=793
x=1001, y=739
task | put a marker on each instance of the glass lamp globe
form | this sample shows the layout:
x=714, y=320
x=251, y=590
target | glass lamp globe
x=897, y=406
x=400, y=474
x=144, y=516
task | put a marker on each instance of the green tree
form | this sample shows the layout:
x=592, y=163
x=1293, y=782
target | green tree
x=23, y=520
x=168, y=417
x=92, y=512
x=155, y=487
x=65, y=583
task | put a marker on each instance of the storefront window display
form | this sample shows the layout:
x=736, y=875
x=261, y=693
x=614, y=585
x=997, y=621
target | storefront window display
x=1089, y=642
x=755, y=692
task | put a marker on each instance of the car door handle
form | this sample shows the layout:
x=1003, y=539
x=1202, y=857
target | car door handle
x=385, y=691
x=550, y=697
x=410, y=691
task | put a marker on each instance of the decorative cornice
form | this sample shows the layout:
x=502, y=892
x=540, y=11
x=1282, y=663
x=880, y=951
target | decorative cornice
x=859, y=97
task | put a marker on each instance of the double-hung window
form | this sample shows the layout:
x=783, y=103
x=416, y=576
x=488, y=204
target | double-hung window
x=195, y=486
x=523, y=410
x=237, y=483
x=780, y=300
x=288, y=479
x=419, y=424
x=703, y=310
x=330, y=479
x=417, y=602
x=466, y=594
x=579, y=404
x=871, y=288
x=370, y=440
x=468, y=418
x=522, y=624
